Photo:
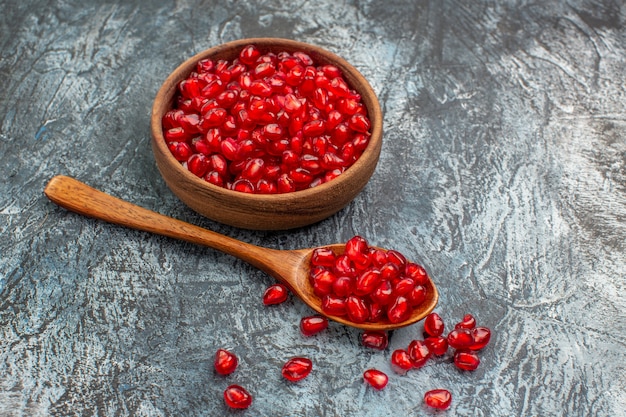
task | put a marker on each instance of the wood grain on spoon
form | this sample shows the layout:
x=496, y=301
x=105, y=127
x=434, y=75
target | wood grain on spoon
x=290, y=267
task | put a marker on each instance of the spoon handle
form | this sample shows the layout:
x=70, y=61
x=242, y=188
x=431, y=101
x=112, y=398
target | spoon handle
x=78, y=197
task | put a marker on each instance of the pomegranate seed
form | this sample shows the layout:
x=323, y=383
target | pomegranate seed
x=376, y=378
x=433, y=325
x=198, y=164
x=236, y=396
x=312, y=325
x=403, y=286
x=357, y=310
x=275, y=294
x=367, y=282
x=333, y=305
x=437, y=345
x=417, y=273
x=438, y=398
x=417, y=295
x=390, y=272
x=401, y=361
x=399, y=310
x=480, y=338
x=467, y=361
x=460, y=339
x=375, y=339
x=323, y=257
x=419, y=353
x=382, y=294
x=249, y=55
x=297, y=369
x=343, y=266
x=468, y=322
x=343, y=286
x=396, y=258
x=225, y=362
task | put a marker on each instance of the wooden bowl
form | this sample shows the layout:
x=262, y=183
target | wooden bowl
x=266, y=211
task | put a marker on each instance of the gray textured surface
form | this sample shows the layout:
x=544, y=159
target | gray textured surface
x=503, y=170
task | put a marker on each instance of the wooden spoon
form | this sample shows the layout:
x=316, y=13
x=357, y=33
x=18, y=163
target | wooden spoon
x=290, y=267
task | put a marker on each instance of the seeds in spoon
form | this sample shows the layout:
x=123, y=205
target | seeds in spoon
x=367, y=284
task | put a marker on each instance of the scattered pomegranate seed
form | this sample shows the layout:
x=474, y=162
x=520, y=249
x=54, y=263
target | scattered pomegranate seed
x=438, y=398
x=297, y=368
x=312, y=325
x=460, y=339
x=376, y=378
x=264, y=106
x=237, y=397
x=419, y=353
x=401, y=361
x=375, y=339
x=467, y=361
x=468, y=322
x=433, y=325
x=437, y=345
x=480, y=338
x=225, y=362
x=275, y=294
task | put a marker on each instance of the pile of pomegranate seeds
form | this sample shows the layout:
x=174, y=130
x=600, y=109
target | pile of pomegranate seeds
x=367, y=284
x=266, y=123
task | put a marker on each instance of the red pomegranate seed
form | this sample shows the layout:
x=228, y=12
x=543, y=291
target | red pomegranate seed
x=437, y=345
x=225, y=362
x=357, y=310
x=343, y=266
x=297, y=369
x=417, y=295
x=275, y=294
x=403, y=286
x=467, y=361
x=480, y=338
x=399, y=310
x=438, y=398
x=468, y=322
x=390, y=272
x=323, y=257
x=417, y=273
x=343, y=286
x=367, y=282
x=375, y=339
x=312, y=325
x=419, y=353
x=376, y=378
x=333, y=305
x=434, y=325
x=383, y=293
x=401, y=362
x=460, y=339
x=236, y=396
x=249, y=55
x=181, y=150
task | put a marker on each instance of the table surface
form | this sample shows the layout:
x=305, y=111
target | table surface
x=503, y=170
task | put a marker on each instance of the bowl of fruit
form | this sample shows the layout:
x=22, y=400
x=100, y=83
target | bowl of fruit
x=266, y=133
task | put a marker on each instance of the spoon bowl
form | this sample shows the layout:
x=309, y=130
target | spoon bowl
x=291, y=267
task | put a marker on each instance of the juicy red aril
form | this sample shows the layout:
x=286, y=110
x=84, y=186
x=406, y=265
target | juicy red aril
x=401, y=362
x=297, y=368
x=357, y=310
x=434, y=325
x=437, y=345
x=468, y=322
x=367, y=282
x=313, y=324
x=460, y=339
x=275, y=294
x=399, y=310
x=438, y=398
x=419, y=353
x=225, y=362
x=480, y=338
x=342, y=286
x=467, y=361
x=376, y=378
x=261, y=106
x=375, y=339
x=333, y=305
x=236, y=396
